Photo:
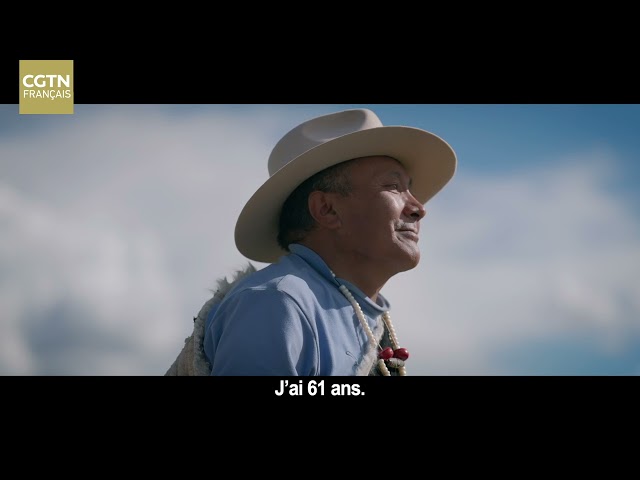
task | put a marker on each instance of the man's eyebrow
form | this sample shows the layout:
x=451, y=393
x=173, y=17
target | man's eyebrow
x=399, y=176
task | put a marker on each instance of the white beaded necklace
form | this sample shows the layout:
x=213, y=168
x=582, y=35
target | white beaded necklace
x=394, y=356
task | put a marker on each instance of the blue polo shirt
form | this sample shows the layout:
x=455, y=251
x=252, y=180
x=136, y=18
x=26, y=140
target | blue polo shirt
x=290, y=318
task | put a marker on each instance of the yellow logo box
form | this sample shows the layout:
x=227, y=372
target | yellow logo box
x=46, y=87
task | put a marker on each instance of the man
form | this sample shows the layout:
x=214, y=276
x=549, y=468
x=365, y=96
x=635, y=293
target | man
x=337, y=218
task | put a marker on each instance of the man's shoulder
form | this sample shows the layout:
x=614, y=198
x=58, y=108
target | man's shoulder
x=289, y=276
x=275, y=277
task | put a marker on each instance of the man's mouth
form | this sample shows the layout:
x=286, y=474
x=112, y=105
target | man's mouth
x=409, y=233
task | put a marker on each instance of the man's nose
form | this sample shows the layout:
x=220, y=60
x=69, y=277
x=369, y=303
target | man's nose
x=413, y=208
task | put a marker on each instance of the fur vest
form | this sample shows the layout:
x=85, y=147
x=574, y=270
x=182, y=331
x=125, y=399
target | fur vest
x=191, y=360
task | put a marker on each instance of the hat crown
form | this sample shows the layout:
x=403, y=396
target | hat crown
x=317, y=131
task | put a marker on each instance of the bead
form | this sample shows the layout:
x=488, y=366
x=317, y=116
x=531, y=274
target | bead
x=386, y=354
x=401, y=353
x=383, y=368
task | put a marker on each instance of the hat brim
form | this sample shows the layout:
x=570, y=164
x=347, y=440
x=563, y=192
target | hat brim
x=429, y=161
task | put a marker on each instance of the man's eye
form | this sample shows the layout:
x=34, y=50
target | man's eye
x=394, y=186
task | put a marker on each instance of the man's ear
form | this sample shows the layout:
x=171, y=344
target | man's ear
x=321, y=207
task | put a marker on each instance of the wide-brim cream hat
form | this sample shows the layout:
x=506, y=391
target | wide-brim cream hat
x=325, y=141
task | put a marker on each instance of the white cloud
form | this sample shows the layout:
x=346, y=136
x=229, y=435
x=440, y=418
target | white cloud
x=70, y=284
x=522, y=257
x=128, y=217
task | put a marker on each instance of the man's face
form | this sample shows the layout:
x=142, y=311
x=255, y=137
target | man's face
x=380, y=219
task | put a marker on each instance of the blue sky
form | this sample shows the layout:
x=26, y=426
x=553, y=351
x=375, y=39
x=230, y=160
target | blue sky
x=117, y=220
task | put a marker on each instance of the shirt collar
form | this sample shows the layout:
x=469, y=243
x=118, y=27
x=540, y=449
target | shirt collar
x=318, y=264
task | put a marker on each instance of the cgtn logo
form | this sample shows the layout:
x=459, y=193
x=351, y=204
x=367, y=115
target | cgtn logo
x=46, y=86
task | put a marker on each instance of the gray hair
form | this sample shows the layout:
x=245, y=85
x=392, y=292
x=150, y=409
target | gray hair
x=295, y=219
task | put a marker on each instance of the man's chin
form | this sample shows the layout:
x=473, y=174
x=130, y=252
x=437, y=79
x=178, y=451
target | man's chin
x=409, y=260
